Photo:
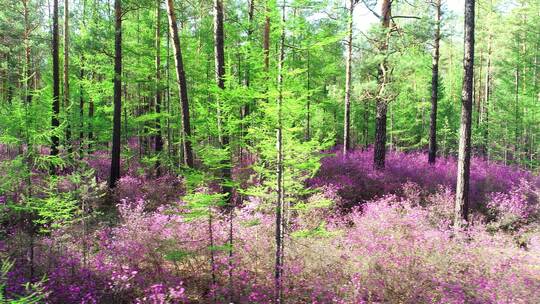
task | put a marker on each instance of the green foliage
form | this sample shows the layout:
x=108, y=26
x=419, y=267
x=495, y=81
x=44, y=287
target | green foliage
x=318, y=232
x=34, y=292
x=200, y=204
x=177, y=255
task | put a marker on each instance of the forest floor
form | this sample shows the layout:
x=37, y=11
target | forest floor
x=354, y=235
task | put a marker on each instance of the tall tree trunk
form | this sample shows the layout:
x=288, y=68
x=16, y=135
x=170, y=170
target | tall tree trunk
x=278, y=271
x=81, y=92
x=182, y=86
x=246, y=108
x=219, y=61
x=308, y=98
x=251, y=11
x=219, y=52
x=170, y=148
x=158, y=141
x=348, y=80
x=365, y=131
x=66, y=76
x=516, y=113
x=432, y=154
x=117, y=115
x=27, y=52
x=379, y=152
x=266, y=38
x=461, y=211
x=485, y=108
x=56, y=81
x=90, y=124
x=81, y=106
x=478, y=89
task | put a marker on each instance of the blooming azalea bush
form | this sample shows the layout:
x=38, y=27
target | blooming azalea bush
x=517, y=207
x=156, y=191
x=357, y=181
x=394, y=245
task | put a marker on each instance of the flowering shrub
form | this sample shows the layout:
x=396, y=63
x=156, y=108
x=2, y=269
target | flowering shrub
x=357, y=182
x=155, y=191
x=397, y=246
x=515, y=209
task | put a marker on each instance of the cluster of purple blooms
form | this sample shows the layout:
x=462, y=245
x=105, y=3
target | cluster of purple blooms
x=386, y=239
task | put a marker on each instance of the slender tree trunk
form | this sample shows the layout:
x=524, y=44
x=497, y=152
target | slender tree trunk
x=365, y=130
x=479, y=99
x=379, y=152
x=246, y=108
x=266, y=38
x=117, y=115
x=516, y=113
x=125, y=132
x=219, y=61
x=81, y=107
x=219, y=51
x=211, y=249
x=66, y=77
x=90, y=125
x=432, y=154
x=56, y=81
x=348, y=80
x=158, y=141
x=170, y=148
x=308, y=98
x=251, y=11
x=27, y=53
x=485, y=108
x=182, y=86
x=461, y=212
x=278, y=272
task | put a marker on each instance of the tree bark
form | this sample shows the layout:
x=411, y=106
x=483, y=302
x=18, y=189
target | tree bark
x=348, y=74
x=432, y=153
x=117, y=115
x=56, y=81
x=379, y=152
x=461, y=211
x=182, y=86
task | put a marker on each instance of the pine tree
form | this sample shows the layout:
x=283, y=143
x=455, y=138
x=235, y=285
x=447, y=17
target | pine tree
x=117, y=115
x=461, y=212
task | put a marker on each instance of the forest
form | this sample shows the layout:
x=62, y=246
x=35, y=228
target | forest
x=270, y=151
